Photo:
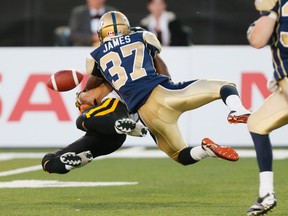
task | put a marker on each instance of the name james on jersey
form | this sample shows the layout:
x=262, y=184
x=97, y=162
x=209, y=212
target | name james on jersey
x=116, y=42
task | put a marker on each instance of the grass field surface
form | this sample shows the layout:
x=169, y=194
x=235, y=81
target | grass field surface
x=157, y=186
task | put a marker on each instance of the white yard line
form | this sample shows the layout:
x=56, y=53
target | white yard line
x=134, y=152
x=20, y=170
x=55, y=183
x=16, y=155
x=137, y=152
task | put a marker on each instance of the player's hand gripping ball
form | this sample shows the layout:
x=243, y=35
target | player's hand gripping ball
x=78, y=103
x=65, y=80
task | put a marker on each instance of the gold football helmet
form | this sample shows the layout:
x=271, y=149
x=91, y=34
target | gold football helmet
x=113, y=23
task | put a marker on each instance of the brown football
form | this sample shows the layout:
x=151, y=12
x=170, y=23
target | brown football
x=64, y=80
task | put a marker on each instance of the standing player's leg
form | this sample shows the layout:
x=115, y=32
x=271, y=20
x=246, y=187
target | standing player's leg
x=271, y=115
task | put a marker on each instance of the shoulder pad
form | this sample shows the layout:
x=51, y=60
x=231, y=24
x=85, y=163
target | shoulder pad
x=137, y=29
x=151, y=38
x=90, y=62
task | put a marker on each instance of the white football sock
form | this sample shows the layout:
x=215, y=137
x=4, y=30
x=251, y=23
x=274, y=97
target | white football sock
x=234, y=103
x=266, y=183
x=198, y=153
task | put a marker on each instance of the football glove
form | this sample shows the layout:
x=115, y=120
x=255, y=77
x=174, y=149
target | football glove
x=272, y=84
x=84, y=107
x=264, y=5
x=78, y=102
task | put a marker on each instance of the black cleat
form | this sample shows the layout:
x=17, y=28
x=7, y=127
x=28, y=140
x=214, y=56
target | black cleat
x=263, y=205
x=130, y=127
x=76, y=160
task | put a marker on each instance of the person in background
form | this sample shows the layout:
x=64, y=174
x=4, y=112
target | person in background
x=84, y=22
x=271, y=28
x=164, y=24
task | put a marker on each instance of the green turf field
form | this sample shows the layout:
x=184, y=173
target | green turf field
x=211, y=187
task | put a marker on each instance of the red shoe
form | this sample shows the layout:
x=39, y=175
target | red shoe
x=224, y=152
x=236, y=117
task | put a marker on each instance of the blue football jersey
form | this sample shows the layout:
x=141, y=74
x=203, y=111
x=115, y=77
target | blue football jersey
x=126, y=62
x=279, y=41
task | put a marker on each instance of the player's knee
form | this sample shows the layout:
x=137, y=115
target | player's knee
x=250, y=123
x=229, y=83
x=80, y=122
x=48, y=157
x=52, y=164
x=255, y=125
x=224, y=84
x=227, y=90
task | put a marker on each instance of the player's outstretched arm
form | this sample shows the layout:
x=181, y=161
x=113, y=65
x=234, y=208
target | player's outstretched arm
x=93, y=82
x=261, y=30
x=160, y=66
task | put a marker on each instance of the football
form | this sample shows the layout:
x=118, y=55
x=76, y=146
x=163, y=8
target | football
x=64, y=80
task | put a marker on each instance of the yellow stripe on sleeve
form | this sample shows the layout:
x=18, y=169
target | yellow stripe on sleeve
x=105, y=112
x=105, y=104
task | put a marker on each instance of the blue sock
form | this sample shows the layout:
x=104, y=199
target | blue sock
x=263, y=150
x=226, y=91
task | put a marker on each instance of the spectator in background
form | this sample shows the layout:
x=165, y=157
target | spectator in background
x=164, y=24
x=84, y=22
